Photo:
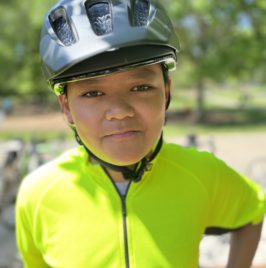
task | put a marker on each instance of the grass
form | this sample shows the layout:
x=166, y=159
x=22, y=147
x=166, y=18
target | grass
x=27, y=135
x=180, y=129
x=222, y=97
x=228, y=109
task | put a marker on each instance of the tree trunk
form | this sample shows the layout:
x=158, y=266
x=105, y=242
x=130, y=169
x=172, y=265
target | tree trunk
x=200, y=108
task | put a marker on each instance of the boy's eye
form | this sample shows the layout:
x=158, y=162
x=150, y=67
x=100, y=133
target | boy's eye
x=141, y=88
x=93, y=94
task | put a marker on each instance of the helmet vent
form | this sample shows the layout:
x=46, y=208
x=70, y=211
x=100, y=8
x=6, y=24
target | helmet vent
x=61, y=26
x=99, y=14
x=142, y=10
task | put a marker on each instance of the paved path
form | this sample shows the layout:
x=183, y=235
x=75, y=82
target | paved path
x=238, y=149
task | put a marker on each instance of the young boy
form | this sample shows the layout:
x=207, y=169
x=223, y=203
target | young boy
x=124, y=198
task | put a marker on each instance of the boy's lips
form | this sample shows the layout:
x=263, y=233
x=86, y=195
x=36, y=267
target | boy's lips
x=121, y=134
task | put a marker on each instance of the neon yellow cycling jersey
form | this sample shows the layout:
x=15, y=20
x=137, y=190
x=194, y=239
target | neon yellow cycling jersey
x=69, y=213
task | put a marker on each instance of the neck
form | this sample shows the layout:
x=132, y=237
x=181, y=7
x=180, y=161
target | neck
x=134, y=172
x=115, y=176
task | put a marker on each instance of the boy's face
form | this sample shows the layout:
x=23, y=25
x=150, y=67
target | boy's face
x=119, y=117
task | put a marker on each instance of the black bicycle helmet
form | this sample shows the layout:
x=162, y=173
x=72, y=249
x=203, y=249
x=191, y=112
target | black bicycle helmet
x=82, y=39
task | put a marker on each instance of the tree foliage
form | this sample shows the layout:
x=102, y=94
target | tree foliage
x=219, y=40
x=20, y=64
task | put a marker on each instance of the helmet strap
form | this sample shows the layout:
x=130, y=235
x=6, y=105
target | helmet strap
x=128, y=174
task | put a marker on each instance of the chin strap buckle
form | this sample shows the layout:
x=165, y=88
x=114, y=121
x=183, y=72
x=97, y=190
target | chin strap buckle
x=145, y=166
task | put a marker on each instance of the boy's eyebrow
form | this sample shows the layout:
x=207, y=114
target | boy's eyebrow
x=144, y=73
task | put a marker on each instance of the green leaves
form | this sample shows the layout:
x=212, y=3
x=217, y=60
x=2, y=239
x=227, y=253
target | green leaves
x=19, y=44
x=221, y=39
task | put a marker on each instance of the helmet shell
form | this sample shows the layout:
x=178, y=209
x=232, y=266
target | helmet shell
x=80, y=36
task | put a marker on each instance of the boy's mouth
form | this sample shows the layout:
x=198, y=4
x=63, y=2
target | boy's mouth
x=121, y=134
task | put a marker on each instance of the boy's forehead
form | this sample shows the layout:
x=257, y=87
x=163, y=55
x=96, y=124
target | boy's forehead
x=143, y=72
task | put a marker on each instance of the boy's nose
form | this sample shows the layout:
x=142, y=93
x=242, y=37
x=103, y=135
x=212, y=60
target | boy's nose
x=119, y=109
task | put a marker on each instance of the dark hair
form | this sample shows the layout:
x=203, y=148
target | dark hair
x=166, y=79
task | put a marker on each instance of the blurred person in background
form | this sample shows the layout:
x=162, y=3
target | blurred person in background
x=7, y=106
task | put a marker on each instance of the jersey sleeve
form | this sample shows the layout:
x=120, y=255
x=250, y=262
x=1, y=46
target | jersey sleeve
x=235, y=199
x=29, y=252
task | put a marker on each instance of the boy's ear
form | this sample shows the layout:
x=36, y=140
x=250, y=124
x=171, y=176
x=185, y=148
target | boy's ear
x=64, y=105
x=167, y=94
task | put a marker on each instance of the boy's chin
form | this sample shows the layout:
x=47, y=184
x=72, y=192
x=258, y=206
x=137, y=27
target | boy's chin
x=125, y=158
x=130, y=163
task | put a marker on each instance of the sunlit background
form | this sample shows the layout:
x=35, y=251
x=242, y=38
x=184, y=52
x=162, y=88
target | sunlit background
x=218, y=100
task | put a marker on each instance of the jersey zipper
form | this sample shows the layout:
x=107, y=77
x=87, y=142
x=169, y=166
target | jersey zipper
x=124, y=212
x=124, y=217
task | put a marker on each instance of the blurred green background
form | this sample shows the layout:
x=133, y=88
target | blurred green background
x=220, y=82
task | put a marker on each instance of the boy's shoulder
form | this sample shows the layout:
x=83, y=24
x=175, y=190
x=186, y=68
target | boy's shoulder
x=183, y=154
x=202, y=163
x=52, y=172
